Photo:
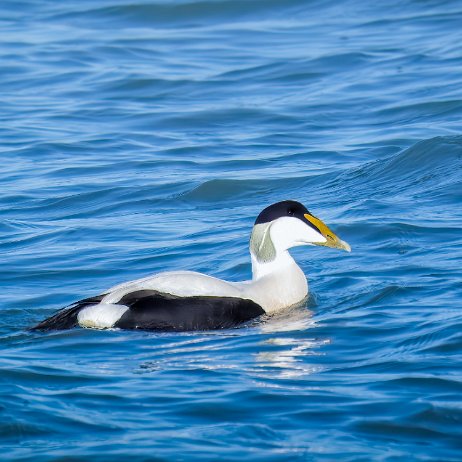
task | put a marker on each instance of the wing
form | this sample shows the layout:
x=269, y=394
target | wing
x=180, y=283
x=151, y=310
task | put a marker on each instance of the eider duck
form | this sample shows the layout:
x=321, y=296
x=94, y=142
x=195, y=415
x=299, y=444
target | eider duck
x=186, y=300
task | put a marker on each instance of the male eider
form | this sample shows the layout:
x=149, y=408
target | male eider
x=185, y=300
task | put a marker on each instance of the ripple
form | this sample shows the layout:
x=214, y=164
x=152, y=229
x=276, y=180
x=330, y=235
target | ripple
x=143, y=137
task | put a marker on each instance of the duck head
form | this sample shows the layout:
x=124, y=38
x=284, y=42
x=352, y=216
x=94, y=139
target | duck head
x=288, y=224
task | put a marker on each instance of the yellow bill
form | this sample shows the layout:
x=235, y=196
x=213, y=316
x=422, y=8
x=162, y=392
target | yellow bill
x=332, y=240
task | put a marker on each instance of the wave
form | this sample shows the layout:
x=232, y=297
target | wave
x=185, y=13
x=429, y=167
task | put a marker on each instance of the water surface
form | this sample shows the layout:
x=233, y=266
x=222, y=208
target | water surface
x=139, y=137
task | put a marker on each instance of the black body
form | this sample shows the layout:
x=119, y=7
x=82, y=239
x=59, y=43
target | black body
x=152, y=310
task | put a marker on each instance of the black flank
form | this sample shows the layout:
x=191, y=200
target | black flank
x=151, y=310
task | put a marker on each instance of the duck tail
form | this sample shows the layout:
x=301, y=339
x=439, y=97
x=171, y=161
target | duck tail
x=66, y=318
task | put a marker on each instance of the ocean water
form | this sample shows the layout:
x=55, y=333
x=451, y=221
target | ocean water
x=145, y=136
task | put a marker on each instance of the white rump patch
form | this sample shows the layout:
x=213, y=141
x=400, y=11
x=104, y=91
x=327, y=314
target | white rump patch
x=101, y=316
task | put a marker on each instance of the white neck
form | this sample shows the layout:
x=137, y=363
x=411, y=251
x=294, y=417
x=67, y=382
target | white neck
x=277, y=280
x=282, y=262
x=276, y=284
x=267, y=256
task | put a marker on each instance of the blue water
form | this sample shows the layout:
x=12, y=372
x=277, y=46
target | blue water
x=145, y=136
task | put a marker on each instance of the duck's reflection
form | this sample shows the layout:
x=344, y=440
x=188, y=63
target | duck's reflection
x=281, y=347
x=285, y=356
